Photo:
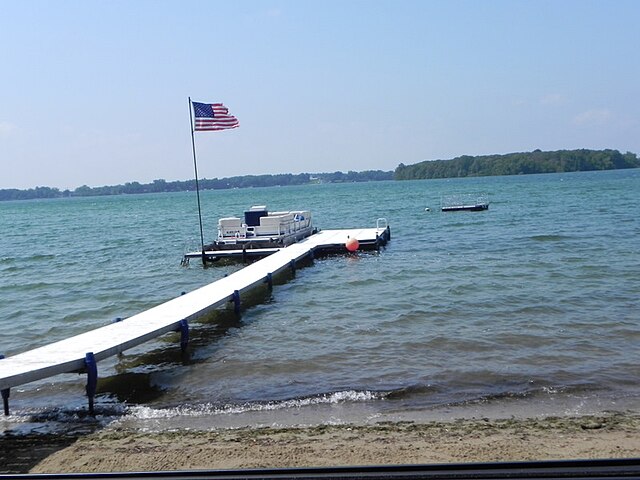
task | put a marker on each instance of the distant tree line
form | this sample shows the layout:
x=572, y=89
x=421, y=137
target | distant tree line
x=157, y=186
x=464, y=166
x=519, y=164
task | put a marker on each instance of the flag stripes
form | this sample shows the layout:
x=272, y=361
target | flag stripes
x=213, y=116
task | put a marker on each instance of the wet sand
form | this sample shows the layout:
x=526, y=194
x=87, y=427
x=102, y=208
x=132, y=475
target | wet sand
x=614, y=435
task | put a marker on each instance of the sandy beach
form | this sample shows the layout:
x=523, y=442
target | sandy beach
x=614, y=435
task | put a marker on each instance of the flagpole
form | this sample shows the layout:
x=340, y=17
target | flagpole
x=195, y=169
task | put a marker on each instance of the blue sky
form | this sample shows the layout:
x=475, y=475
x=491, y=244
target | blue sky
x=95, y=92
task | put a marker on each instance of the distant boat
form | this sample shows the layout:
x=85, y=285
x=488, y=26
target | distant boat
x=468, y=201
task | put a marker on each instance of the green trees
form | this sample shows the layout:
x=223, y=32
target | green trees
x=464, y=166
x=32, y=193
x=161, y=185
x=519, y=164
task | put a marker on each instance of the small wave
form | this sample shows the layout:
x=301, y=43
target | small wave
x=78, y=413
x=61, y=421
x=549, y=238
x=540, y=310
x=529, y=394
x=144, y=412
x=41, y=256
x=10, y=268
x=447, y=396
x=409, y=391
x=425, y=395
x=457, y=225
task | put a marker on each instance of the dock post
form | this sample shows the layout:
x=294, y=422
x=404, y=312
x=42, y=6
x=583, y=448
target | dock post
x=292, y=265
x=5, y=400
x=5, y=396
x=270, y=281
x=236, y=302
x=92, y=379
x=184, y=334
x=244, y=254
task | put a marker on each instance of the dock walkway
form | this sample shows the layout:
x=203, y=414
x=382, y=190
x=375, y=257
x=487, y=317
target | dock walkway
x=82, y=352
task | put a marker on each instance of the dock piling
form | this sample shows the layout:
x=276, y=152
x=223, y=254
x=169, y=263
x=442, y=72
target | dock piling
x=292, y=265
x=92, y=379
x=184, y=334
x=269, y=281
x=5, y=396
x=5, y=400
x=235, y=298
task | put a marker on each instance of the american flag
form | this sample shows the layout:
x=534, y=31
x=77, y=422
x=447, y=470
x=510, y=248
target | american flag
x=213, y=116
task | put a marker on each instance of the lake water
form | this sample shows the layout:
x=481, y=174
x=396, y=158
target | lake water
x=529, y=308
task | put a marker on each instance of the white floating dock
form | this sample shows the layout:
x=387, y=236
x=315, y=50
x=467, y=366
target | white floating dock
x=473, y=202
x=81, y=353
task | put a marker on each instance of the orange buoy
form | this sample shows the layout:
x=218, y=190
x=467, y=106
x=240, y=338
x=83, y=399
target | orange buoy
x=352, y=244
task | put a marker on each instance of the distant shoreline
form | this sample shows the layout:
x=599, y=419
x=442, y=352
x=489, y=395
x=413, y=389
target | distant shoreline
x=523, y=163
x=526, y=163
x=163, y=186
